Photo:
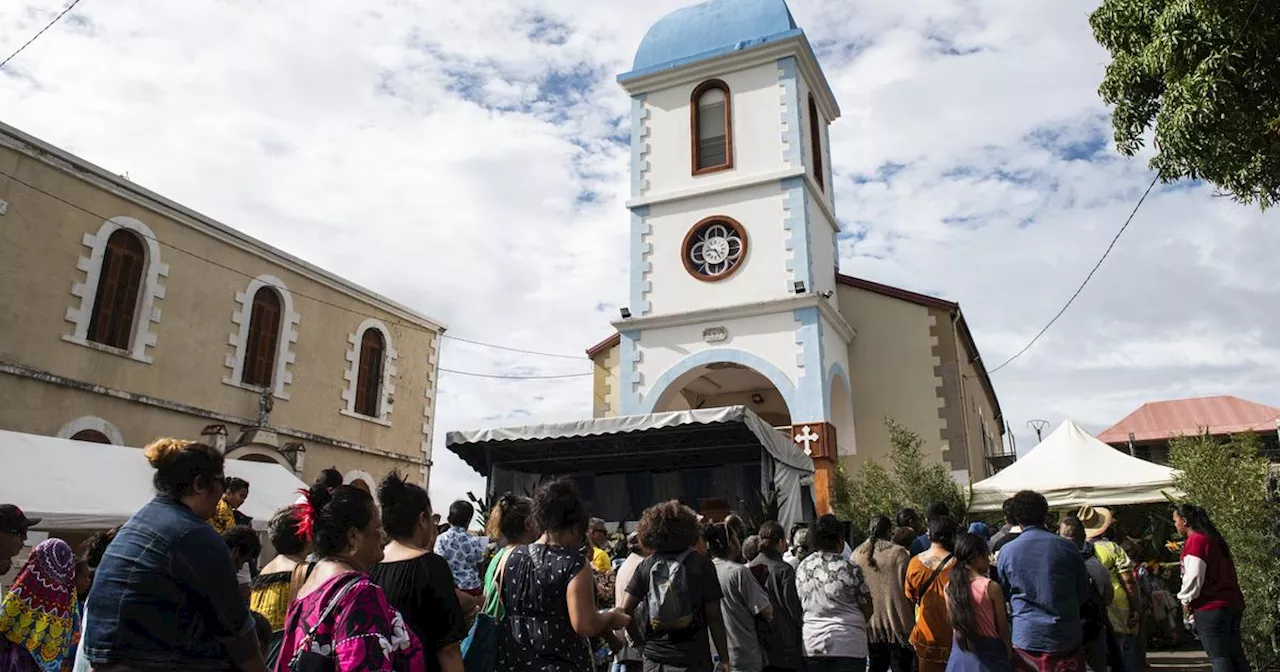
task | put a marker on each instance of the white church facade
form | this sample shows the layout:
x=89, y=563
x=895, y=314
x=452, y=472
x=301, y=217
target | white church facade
x=736, y=296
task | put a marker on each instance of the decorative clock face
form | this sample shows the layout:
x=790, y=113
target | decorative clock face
x=714, y=249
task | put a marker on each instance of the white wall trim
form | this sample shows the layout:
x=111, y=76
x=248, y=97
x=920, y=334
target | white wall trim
x=388, y=373
x=151, y=291
x=94, y=423
x=429, y=409
x=239, y=339
x=741, y=310
x=361, y=475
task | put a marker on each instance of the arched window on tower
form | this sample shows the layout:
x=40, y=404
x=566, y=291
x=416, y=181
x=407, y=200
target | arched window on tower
x=264, y=334
x=369, y=375
x=815, y=142
x=116, y=301
x=712, y=127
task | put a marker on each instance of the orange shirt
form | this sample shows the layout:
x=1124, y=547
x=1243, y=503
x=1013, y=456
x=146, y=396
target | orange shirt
x=931, y=637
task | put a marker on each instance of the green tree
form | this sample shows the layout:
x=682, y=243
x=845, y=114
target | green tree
x=1205, y=75
x=875, y=489
x=1230, y=481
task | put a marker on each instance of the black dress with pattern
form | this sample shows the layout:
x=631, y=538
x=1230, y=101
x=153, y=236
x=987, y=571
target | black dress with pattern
x=536, y=634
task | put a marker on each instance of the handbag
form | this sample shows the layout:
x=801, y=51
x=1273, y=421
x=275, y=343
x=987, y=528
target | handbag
x=480, y=648
x=306, y=660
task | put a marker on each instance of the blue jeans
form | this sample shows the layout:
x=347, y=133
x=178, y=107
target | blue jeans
x=835, y=664
x=1219, y=631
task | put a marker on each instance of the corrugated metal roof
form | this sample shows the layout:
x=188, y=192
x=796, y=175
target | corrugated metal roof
x=1161, y=420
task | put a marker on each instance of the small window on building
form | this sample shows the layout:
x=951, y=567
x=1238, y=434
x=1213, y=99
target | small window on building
x=91, y=435
x=119, y=281
x=815, y=142
x=264, y=334
x=369, y=375
x=712, y=127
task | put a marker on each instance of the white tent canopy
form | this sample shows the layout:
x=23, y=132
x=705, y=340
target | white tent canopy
x=1071, y=468
x=74, y=485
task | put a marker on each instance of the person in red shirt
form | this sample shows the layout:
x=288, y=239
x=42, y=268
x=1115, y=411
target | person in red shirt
x=1210, y=591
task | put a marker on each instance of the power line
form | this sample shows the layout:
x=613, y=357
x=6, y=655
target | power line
x=399, y=323
x=26, y=44
x=1087, y=278
x=516, y=377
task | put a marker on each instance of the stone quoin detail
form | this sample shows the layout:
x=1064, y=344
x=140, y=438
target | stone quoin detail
x=387, y=388
x=239, y=339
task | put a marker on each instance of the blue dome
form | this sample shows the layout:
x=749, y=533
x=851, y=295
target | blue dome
x=718, y=26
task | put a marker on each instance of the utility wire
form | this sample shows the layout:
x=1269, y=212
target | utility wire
x=1087, y=278
x=406, y=325
x=26, y=44
x=1240, y=35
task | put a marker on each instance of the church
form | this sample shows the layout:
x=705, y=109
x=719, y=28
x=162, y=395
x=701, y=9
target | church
x=737, y=299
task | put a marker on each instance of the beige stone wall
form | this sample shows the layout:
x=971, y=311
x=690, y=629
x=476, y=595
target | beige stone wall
x=605, y=401
x=892, y=375
x=41, y=242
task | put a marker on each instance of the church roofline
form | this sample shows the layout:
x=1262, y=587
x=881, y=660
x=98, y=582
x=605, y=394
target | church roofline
x=962, y=327
x=718, y=61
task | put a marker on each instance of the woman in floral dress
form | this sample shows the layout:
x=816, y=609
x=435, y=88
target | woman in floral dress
x=353, y=624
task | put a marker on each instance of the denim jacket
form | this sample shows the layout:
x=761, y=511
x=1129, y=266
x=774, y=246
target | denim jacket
x=165, y=595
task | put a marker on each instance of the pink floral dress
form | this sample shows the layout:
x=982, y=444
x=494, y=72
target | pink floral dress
x=363, y=634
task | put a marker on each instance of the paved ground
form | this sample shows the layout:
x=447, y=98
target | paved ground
x=1191, y=660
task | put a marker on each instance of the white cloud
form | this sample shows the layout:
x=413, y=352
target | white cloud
x=474, y=142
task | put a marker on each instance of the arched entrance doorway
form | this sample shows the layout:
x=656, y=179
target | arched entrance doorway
x=719, y=384
x=736, y=485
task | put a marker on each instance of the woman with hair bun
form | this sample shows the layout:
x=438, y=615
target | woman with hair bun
x=341, y=618
x=417, y=582
x=165, y=595
x=273, y=589
x=511, y=524
x=1210, y=590
x=548, y=591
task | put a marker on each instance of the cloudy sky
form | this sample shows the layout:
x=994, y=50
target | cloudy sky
x=476, y=152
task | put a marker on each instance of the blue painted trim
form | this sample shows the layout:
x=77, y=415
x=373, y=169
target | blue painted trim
x=796, y=222
x=628, y=376
x=792, y=138
x=745, y=45
x=811, y=398
x=714, y=356
x=640, y=268
x=639, y=134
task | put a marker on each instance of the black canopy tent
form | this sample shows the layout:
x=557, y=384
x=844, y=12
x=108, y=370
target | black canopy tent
x=630, y=462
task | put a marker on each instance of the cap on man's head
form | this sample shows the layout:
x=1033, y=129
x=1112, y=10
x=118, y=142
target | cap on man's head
x=12, y=519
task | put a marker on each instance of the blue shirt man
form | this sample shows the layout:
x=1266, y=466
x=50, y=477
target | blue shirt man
x=1044, y=578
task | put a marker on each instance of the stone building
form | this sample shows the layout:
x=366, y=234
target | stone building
x=128, y=316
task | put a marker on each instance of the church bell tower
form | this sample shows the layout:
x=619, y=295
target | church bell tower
x=733, y=228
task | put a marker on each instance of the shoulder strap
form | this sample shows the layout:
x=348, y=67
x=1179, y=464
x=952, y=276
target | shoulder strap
x=301, y=572
x=502, y=572
x=350, y=581
x=924, y=589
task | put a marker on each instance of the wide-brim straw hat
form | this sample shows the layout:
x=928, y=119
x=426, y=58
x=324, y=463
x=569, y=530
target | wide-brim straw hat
x=1096, y=520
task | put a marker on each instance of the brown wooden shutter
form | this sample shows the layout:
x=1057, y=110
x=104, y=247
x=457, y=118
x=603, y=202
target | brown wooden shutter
x=116, y=301
x=264, y=334
x=369, y=376
x=90, y=435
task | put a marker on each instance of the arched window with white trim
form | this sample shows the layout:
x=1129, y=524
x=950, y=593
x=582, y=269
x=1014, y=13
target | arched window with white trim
x=123, y=283
x=371, y=370
x=711, y=127
x=264, y=330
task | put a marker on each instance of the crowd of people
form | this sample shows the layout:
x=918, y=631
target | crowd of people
x=365, y=581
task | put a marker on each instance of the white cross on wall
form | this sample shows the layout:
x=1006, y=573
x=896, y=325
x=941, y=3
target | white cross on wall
x=807, y=437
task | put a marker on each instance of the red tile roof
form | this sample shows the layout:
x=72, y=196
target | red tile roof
x=1163, y=420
